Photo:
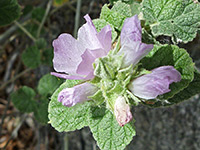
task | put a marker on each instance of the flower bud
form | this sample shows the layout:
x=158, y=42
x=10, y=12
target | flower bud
x=122, y=111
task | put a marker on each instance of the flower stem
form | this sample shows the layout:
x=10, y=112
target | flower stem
x=77, y=17
x=44, y=18
x=25, y=31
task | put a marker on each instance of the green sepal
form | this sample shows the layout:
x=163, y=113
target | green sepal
x=134, y=100
x=107, y=66
x=98, y=98
x=123, y=73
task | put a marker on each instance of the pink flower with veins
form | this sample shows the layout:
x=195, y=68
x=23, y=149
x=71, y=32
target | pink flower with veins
x=73, y=58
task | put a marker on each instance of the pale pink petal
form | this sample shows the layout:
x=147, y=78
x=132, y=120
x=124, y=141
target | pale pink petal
x=71, y=55
x=67, y=54
x=105, y=38
x=122, y=111
x=156, y=83
x=88, y=58
x=91, y=39
x=66, y=76
x=131, y=30
x=133, y=52
x=77, y=94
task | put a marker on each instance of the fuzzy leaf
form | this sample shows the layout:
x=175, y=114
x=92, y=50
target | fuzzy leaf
x=174, y=56
x=116, y=15
x=48, y=84
x=38, y=14
x=9, y=11
x=107, y=132
x=179, y=19
x=23, y=99
x=41, y=111
x=64, y=118
x=31, y=57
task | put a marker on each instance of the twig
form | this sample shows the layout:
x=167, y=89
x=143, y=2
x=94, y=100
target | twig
x=4, y=115
x=77, y=17
x=9, y=32
x=44, y=18
x=46, y=138
x=15, y=78
x=66, y=141
x=10, y=64
x=15, y=131
x=91, y=5
x=25, y=31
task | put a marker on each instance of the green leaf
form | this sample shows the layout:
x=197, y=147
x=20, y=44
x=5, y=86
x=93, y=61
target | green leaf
x=46, y=53
x=48, y=84
x=41, y=111
x=174, y=56
x=9, y=11
x=27, y=9
x=64, y=118
x=125, y=1
x=116, y=16
x=47, y=56
x=41, y=43
x=31, y=57
x=38, y=14
x=59, y=3
x=191, y=90
x=23, y=99
x=177, y=18
x=107, y=132
x=135, y=8
x=100, y=23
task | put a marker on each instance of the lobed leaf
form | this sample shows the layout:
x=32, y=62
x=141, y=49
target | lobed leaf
x=107, y=132
x=9, y=11
x=116, y=15
x=31, y=57
x=48, y=84
x=179, y=19
x=64, y=118
x=23, y=99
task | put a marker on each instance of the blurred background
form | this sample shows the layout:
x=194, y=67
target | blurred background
x=26, y=86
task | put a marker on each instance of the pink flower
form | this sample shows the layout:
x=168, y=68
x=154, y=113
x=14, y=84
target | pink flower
x=156, y=83
x=77, y=94
x=131, y=42
x=75, y=57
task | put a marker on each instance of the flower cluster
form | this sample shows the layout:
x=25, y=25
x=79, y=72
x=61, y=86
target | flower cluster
x=74, y=58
